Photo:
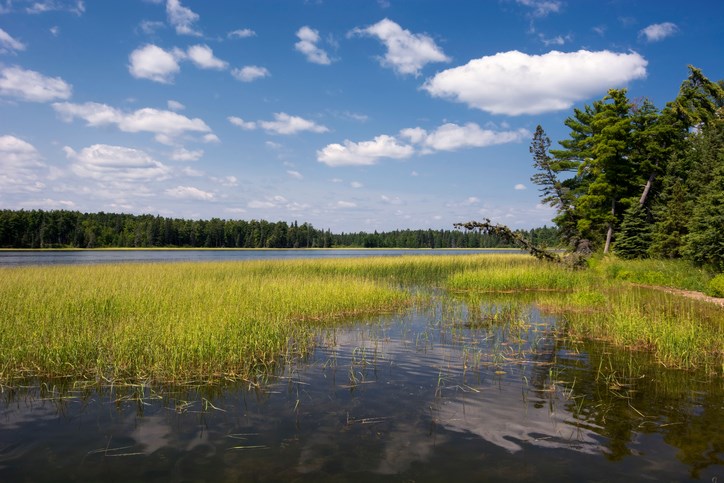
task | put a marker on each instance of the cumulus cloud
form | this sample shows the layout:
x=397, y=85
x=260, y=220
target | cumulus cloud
x=8, y=43
x=19, y=165
x=515, y=83
x=239, y=122
x=295, y=174
x=356, y=184
x=307, y=45
x=520, y=187
x=32, y=86
x=115, y=164
x=450, y=137
x=166, y=125
x=364, y=153
x=153, y=63
x=241, y=34
x=183, y=154
x=658, y=31
x=189, y=193
x=203, y=57
x=283, y=123
x=250, y=73
x=407, y=53
x=211, y=138
x=182, y=18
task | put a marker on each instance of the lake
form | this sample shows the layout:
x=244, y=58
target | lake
x=58, y=257
x=465, y=388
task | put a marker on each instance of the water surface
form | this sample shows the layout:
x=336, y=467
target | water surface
x=467, y=389
x=73, y=257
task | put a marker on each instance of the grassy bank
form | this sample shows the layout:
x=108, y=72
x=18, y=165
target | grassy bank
x=231, y=320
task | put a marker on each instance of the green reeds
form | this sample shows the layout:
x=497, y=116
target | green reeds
x=170, y=322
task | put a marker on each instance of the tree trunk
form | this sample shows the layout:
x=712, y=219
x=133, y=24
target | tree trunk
x=609, y=235
x=647, y=188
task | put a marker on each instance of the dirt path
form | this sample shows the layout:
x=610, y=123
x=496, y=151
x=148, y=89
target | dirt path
x=686, y=293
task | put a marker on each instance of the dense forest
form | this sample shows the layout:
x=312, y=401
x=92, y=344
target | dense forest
x=72, y=229
x=639, y=181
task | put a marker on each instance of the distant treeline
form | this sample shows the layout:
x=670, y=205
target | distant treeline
x=72, y=229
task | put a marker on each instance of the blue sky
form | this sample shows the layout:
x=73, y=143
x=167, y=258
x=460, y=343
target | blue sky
x=351, y=115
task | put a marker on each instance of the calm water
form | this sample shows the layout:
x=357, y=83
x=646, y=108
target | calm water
x=468, y=389
x=56, y=257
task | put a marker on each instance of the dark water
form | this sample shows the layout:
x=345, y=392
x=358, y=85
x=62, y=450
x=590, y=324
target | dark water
x=58, y=257
x=469, y=389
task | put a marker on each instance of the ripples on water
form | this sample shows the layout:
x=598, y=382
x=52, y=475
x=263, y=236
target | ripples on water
x=464, y=390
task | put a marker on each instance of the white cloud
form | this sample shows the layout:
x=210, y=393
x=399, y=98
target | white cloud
x=356, y=184
x=557, y=40
x=19, y=165
x=520, y=187
x=166, y=125
x=295, y=174
x=29, y=85
x=73, y=6
x=250, y=73
x=542, y=8
x=211, y=138
x=228, y=181
x=346, y=204
x=115, y=164
x=260, y=204
x=364, y=153
x=241, y=34
x=55, y=31
x=307, y=45
x=450, y=137
x=149, y=27
x=239, y=122
x=203, y=57
x=407, y=53
x=658, y=31
x=189, y=193
x=515, y=83
x=392, y=200
x=153, y=63
x=182, y=18
x=8, y=43
x=175, y=105
x=283, y=123
x=183, y=154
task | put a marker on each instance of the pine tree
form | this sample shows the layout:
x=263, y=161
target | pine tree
x=634, y=237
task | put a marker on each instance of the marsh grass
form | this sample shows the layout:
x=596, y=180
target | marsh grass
x=194, y=323
x=172, y=322
x=679, y=274
x=679, y=332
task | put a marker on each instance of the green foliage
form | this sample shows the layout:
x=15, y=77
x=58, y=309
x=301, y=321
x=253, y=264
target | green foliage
x=716, y=286
x=634, y=237
x=61, y=229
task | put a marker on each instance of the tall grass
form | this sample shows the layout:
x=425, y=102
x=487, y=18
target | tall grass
x=170, y=322
x=185, y=322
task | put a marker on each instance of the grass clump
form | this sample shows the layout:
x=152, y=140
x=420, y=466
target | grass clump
x=716, y=286
x=533, y=275
x=679, y=274
x=170, y=322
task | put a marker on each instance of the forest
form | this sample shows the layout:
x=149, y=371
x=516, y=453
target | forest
x=638, y=181
x=72, y=229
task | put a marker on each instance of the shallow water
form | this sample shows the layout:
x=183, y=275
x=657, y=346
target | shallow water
x=468, y=389
x=11, y=258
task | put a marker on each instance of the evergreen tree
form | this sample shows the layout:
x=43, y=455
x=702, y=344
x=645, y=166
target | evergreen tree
x=634, y=237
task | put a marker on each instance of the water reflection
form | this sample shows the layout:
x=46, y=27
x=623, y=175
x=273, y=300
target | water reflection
x=468, y=388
